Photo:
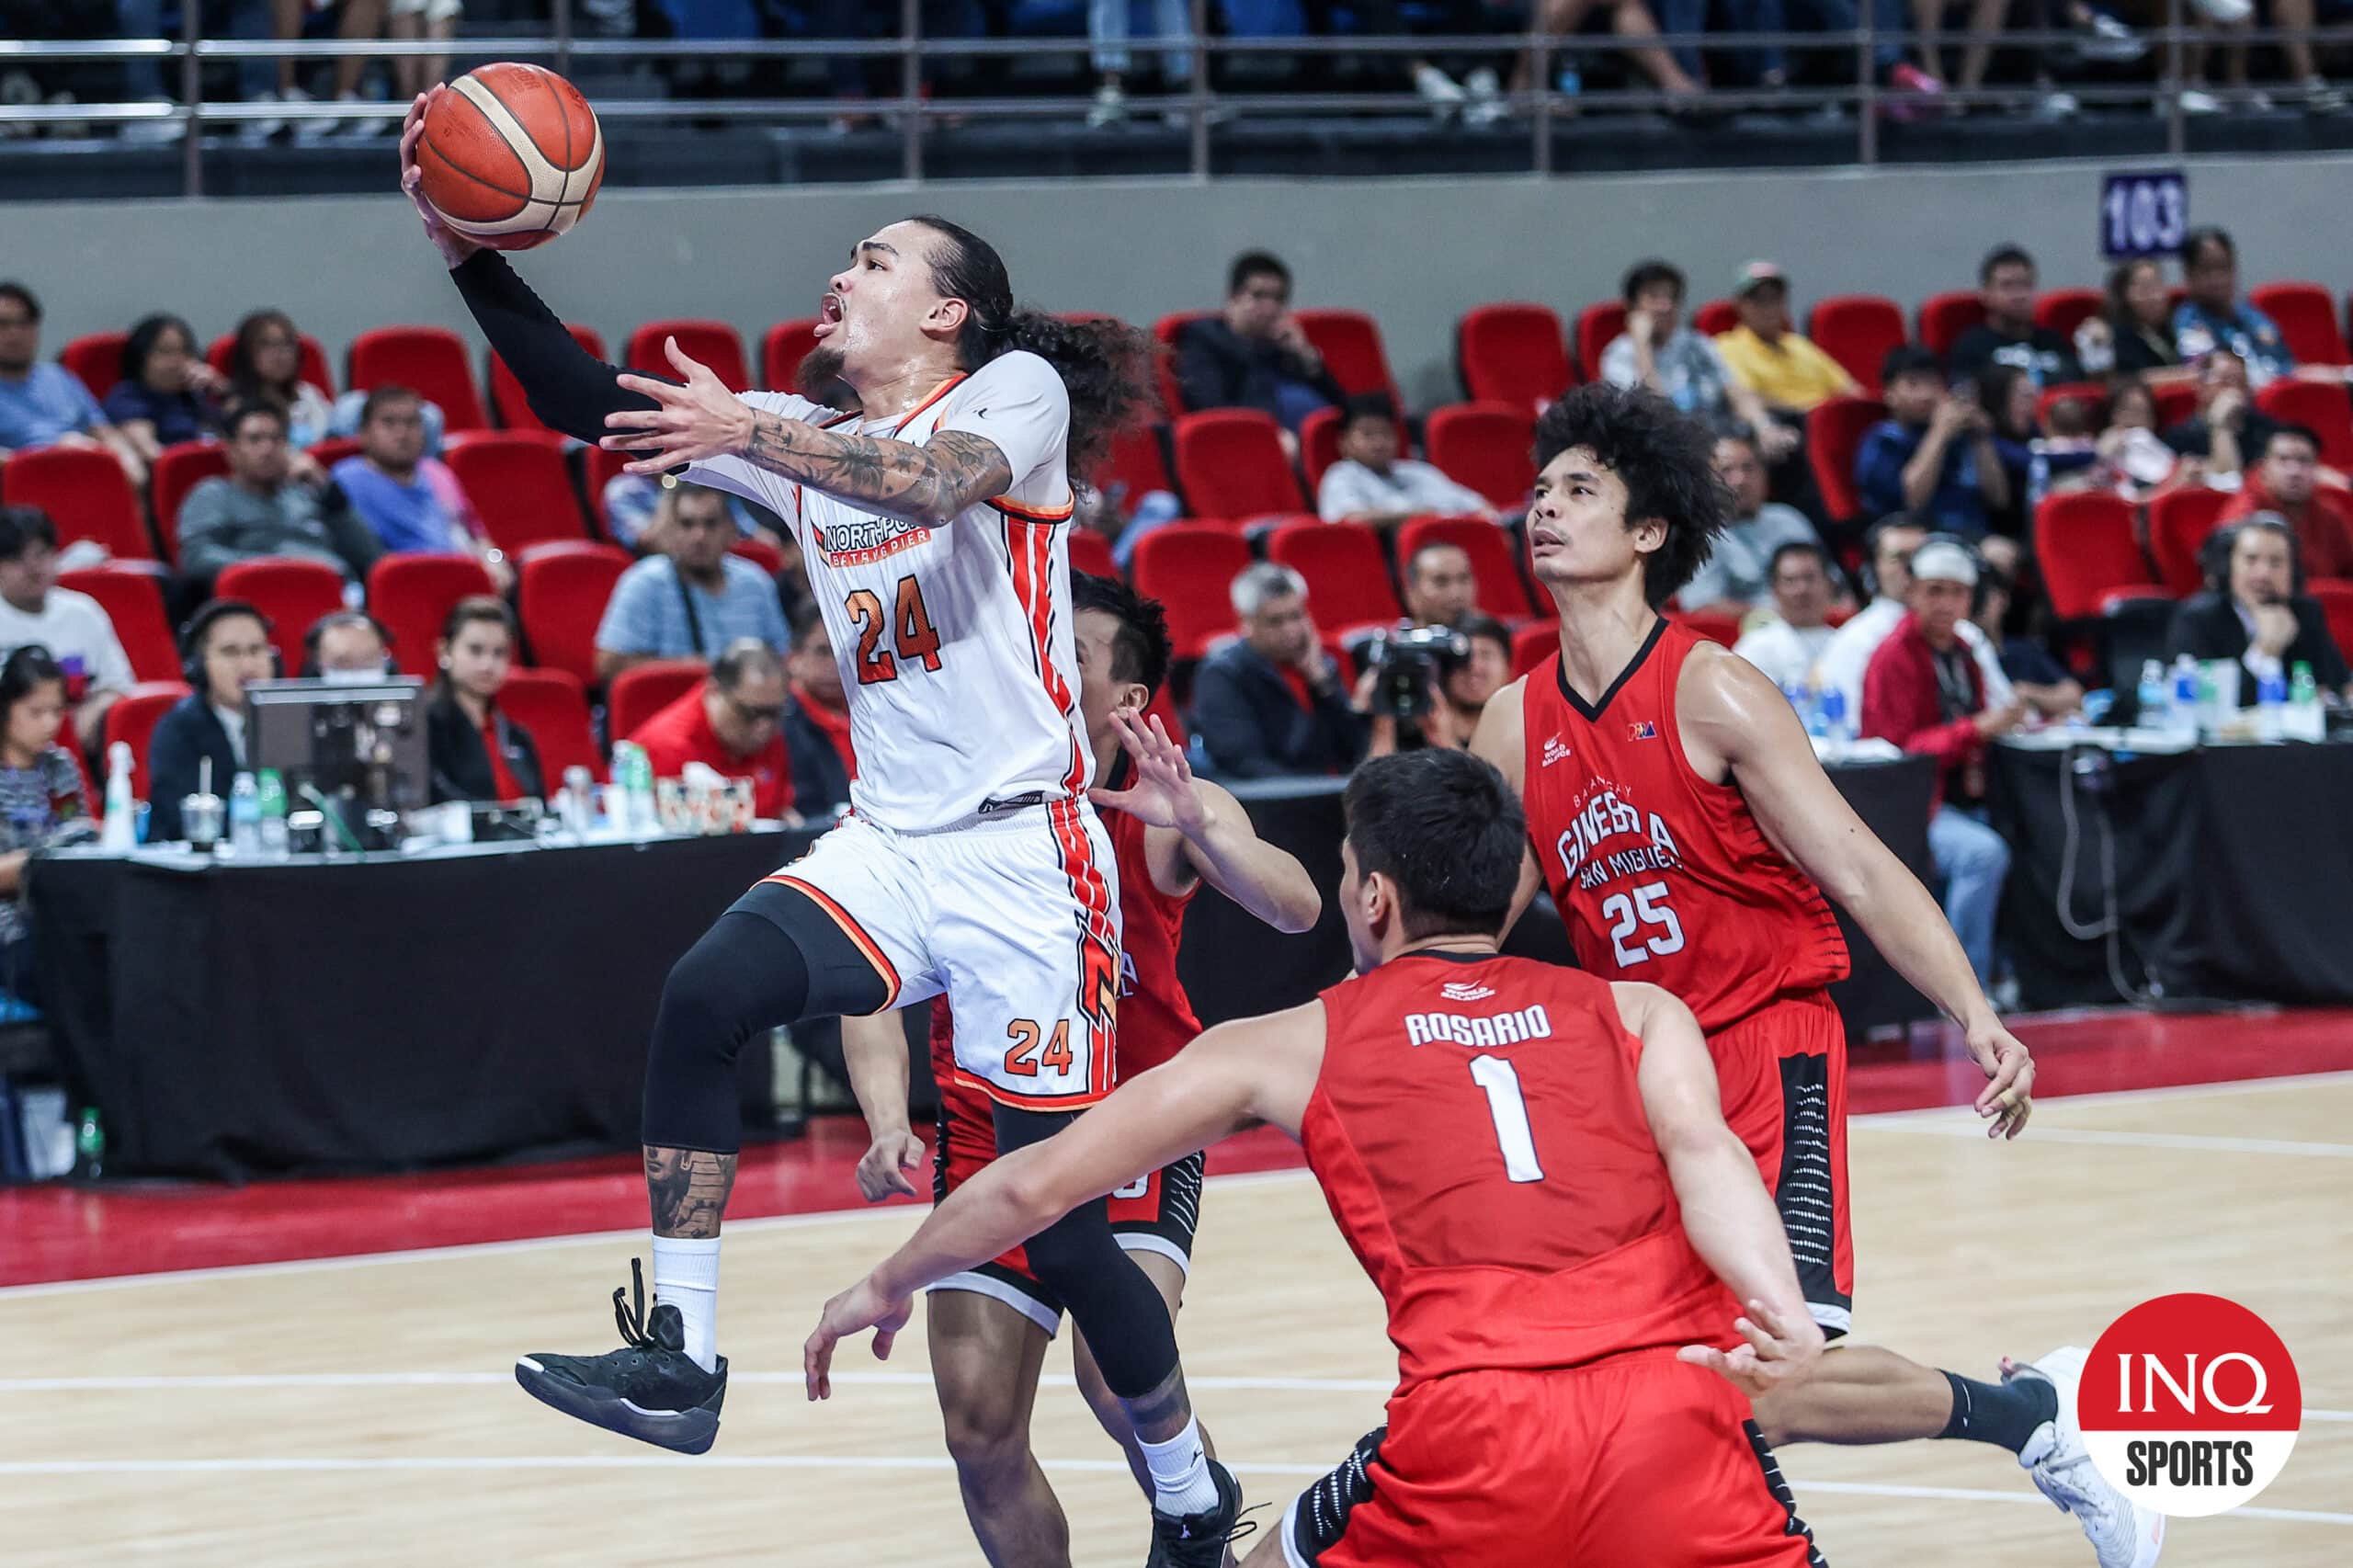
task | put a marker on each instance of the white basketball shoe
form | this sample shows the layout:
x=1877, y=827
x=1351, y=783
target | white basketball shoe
x=2123, y=1533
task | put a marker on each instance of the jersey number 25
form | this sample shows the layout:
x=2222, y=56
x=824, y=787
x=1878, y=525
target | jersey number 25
x=1646, y=907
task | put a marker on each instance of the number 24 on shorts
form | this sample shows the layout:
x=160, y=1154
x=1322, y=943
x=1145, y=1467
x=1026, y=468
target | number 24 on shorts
x=1023, y=1060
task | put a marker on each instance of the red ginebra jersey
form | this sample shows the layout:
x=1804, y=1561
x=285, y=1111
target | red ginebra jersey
x=1481, y=1140
x=1156, y=1018
x=1661, y=875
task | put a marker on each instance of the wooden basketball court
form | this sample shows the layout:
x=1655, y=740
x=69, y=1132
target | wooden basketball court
x=361, y=1411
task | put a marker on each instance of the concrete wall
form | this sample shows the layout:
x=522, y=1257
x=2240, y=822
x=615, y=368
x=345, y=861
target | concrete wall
x=1417, y=253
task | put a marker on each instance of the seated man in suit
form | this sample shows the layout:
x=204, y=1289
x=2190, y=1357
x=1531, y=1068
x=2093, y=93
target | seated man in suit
x=2251, y=611
x=1272, y=702
x=224, y=648
x=1255, y=355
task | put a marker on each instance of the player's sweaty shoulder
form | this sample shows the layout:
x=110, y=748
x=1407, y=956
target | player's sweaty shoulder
x=1502, y=731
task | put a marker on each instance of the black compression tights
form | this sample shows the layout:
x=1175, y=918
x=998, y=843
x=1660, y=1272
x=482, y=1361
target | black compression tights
x=1114, y=1304
x=774, y=959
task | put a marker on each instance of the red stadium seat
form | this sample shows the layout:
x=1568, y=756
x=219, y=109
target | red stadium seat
x=2176, y=401
x=133, y=600
x=1319, y=447
x=133, y=719
x=1856, y=330
x=1168, y=331
x=1533, y=643
x=1231, y=462
x=2180, y=522
x=552, y=706
x=1090, y=552
x=84, y=493
x=2335, y=597
x=519, y=484
x=412, y=596
x=429, y=362
x=1190, y=568
x=782, y=347
x=1488, y=446
x=599, y=468
x=758, y=551
x=1944, y=317
x=560, y=596
x=1348, y=575
x=1716, y=317
x=1489, y=545
x=1349, y=342
x=1514, y=354
x=2091, y=395
x=2084, y=544
x=1723, y=628
x=712, y=343
x=2063, y=309
x=96, y=358
x=642, y=690
x=314, y=357
x=177, y=469
x=293, y=594
x=1597, y=325
x=1137, y=466
x=332, y=450
x=1834, y=435
x=506, y=397
x=2321, y=407
x=2306, y=316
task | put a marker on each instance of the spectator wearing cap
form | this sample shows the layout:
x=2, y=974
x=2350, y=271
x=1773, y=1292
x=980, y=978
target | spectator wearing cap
x=1782, y=366
x=42, y=403
x=2007, y=335
x=1737, y=575
x=2250, y=609
x=1934, y=455
x=74, y=628
x=1887, y=551
x=1660, y=351
x=1788, y=646
x=1371, y=484
x=1926, y=693
x=2285, y=478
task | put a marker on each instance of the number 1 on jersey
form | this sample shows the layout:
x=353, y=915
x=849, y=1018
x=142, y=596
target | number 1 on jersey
x=1501, y=1080
x=909, y=623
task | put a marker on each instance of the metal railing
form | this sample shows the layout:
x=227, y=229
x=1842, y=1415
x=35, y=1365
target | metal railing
x=1197, y=105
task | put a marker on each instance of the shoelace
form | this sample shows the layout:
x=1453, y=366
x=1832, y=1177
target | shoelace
x=633, y=1333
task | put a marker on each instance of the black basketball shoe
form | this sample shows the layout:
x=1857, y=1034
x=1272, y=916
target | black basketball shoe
x=650, y=1389
x=1199, y=1540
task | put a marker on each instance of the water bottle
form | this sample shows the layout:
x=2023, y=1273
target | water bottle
x=120, y=833
x=271, y=789
x=89, y=1146
x=577, y=806
x=245, y=818
x=2209, y=700
x=633, y=770
x=1834, y=715
x=2304, y=719
x=2185, y=697
x=2153, y=696
x=2271, y=704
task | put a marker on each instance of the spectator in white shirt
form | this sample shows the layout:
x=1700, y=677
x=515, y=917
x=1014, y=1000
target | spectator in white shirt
x=1371, y=484
x=1737, y=574
x=1786, y=647
x=74, y=627
x=1889, y=548
x=1440, y=585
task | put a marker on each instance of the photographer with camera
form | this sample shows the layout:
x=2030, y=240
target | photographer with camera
x=1428, y=685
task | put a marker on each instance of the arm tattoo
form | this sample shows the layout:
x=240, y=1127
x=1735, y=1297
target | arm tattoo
x=1161, y=1413
x=928, y=484
x=689, y=1187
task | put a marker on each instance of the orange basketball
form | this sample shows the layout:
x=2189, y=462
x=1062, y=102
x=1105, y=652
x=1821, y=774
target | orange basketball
x=511, y=155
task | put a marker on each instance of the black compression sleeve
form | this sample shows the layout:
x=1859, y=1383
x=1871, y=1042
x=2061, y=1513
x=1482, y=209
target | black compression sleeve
x=570, y=388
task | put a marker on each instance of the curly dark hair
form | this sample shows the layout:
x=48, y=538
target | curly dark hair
x=1666, y=459
x=1105, y=363
x=1142, y=650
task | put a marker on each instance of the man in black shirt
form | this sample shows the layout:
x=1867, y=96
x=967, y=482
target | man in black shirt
x=2009, y=336
x=2228, y=431
x=1272, y=702
x=1255, y=355
x=2251, y=613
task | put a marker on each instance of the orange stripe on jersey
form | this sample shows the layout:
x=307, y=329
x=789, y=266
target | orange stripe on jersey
x=1028, y=546
x=851, y=928
x=1093, y=1094
x=1098, y=940
x=1061, y=514
x=942, y=390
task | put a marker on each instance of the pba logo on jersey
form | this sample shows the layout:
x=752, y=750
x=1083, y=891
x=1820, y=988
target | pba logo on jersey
x=2190, y=1404
x=1642, y=730
x=1609, y=838
x=857, y=541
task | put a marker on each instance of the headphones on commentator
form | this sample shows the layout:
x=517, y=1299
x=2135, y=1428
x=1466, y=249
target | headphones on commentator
x=328, y=622
x=2214, y=553
x=195, y=628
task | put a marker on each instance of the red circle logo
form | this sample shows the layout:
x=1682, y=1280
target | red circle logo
x=2190, y=1404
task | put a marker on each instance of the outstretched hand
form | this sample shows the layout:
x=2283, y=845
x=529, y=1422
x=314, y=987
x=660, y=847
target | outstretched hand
x=859, y=1307
x=454, y=248
x=1163, y=793
x=1777, y=1353
x=695, y=421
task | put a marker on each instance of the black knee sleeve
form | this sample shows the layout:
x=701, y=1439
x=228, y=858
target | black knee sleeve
x=1113, y=1301
x=772, y=960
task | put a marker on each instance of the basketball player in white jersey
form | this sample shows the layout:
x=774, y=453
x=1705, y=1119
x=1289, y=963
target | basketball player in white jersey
x=931, y=517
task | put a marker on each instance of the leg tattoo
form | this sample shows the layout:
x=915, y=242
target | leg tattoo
x=688, y=1188
x=1160, y=1414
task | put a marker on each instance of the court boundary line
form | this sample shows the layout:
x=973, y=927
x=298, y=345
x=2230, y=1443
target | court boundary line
x=843, y=1216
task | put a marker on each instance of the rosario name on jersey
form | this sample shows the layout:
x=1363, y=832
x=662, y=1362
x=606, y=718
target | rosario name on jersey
x=954, y=642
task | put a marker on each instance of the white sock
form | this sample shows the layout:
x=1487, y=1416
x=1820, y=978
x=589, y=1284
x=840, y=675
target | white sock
x=686, y=1276
x=1181, y=1482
